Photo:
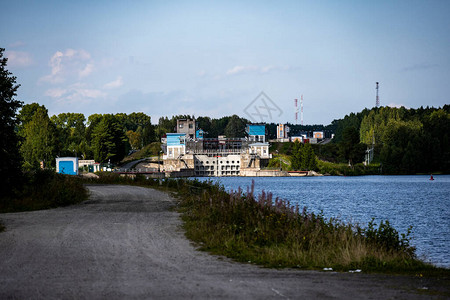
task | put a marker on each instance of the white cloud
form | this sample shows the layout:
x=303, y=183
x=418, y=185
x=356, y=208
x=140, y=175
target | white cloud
x=114, y=84
x=246, y=69
x=68, y=63
x=18, y=58
x=240, y=69
x=87, y=93
x=76, y=92
x=55, y=93
x=86, y=71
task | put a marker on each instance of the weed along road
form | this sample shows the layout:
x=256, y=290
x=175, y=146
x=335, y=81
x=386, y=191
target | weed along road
x=126, y=242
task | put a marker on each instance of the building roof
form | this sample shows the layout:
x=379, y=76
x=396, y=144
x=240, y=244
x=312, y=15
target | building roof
x=256, y=129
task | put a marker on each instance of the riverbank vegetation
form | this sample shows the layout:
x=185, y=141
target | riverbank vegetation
x=43, y=189
x=271, y=232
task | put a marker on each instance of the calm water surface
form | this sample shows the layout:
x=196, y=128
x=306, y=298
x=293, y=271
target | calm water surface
x=403, y=200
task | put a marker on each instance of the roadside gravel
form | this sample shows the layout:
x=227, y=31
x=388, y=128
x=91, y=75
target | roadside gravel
x=126, y=242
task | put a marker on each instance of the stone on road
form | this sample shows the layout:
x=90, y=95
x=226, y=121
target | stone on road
x=126, y=242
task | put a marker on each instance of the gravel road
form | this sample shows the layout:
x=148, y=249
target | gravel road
x=125, y=242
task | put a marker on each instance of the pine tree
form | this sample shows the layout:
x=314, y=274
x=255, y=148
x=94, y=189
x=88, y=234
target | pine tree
x=296, y=158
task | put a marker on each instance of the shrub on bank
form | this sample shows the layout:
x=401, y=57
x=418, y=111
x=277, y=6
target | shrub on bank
x=42, y=189
x=344, y=169
x=273, y=233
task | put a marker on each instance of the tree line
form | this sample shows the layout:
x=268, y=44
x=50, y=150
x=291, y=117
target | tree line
x=405, y=141
x=102, y=137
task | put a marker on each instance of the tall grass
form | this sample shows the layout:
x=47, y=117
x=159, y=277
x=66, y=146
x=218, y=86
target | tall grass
x=344, y=169
x=272, y=232
x=42, y=189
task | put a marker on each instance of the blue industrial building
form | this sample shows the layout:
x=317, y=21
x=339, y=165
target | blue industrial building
x=67, y=165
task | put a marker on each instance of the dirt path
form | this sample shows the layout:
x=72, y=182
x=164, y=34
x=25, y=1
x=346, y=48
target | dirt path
x=125, y=242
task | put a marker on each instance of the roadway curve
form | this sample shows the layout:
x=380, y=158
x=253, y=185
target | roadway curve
x=125, y=242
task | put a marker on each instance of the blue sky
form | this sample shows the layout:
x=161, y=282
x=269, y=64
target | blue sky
x=214, y=57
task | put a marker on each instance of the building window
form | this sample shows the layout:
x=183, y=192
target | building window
x=181, y=125
x=191, y=125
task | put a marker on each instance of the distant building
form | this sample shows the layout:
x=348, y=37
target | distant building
x=176, y=144
x=199, y=134
x=67, y=165
x=256, y=133
x=318, y=134
x=297, y=138
x=187, y=126
x=282, y=131
x=220, y=156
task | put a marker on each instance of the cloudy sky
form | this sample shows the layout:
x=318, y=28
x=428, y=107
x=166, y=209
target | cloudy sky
x=214, y=58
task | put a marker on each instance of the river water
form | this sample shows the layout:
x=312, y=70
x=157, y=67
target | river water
x=402, y=200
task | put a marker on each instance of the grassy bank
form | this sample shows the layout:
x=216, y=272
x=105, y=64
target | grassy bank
x=44, y=189
x=329, y=168
x=152, y=149
x=272, y=233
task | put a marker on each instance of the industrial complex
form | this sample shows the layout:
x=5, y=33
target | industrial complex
x=188, y=153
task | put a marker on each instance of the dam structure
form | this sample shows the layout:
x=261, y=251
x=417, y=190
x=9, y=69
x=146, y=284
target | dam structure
x=188, y=153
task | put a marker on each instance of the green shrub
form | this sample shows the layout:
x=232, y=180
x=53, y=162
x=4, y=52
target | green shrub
x=42, y=189
x=272, y=232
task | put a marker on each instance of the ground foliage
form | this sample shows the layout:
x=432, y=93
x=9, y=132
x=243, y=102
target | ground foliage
x=271, y=232
x=407, y=141
x=43, y=189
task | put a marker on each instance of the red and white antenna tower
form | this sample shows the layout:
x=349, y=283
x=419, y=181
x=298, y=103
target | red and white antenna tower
x=377, y=101
x=301, y=108
x=296, y=111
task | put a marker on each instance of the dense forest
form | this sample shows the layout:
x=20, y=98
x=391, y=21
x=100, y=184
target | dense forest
x=406, y=141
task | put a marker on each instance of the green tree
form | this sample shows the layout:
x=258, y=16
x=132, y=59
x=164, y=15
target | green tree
x=39, y=142
x=10, y=161
x=135, y=139
x=235, y=127
x=108, y=140
x=296, y=157
x=204, y=123
x=70, y=132
x=308, y=161
x=350, y=148
x=26, y=113
x=102, y=142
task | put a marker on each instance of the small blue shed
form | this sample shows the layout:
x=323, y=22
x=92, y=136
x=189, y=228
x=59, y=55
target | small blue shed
x=67, y=165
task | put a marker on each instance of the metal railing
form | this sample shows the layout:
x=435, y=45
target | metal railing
x=136, y=170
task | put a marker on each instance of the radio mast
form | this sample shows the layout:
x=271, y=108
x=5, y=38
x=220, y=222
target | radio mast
x=377, y=101
x=301, y=109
